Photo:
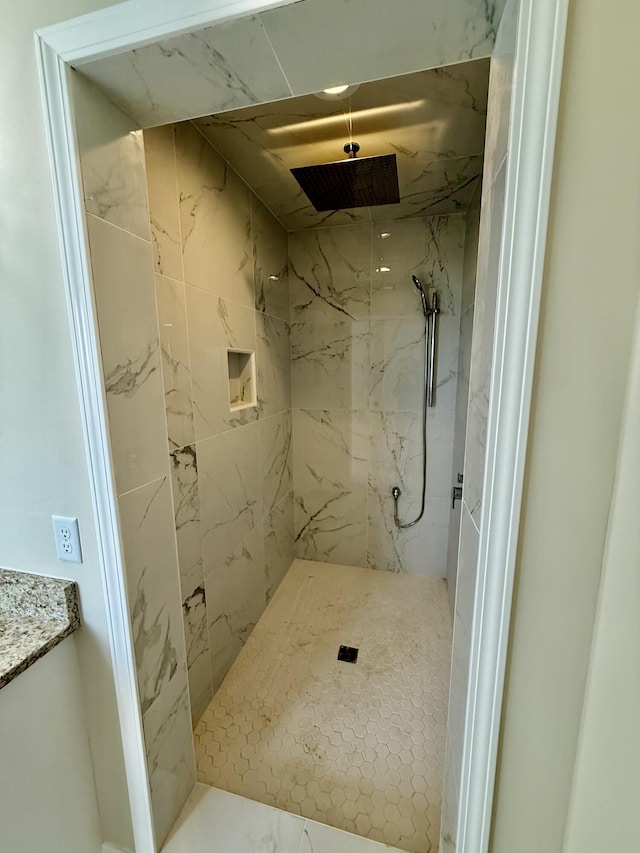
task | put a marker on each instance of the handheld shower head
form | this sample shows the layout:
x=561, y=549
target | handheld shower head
x=423, y=296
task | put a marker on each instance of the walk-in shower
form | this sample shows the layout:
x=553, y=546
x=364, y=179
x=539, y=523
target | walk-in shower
x=430, y=314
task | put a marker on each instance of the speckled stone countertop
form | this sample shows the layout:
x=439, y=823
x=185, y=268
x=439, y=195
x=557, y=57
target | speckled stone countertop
x=36, y=613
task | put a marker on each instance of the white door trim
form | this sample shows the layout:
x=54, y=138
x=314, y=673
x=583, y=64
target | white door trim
x=532, y=133
x=535, y=101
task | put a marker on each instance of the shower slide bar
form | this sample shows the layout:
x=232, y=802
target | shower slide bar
x=430, y=314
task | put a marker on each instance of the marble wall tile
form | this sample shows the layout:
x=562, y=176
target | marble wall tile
x=170, y=760
x=331, y=526
x=162, y=187
x=236, y=599
x=472, y=222
x=279, y=544
x=215, y=69
x=329, y=365
x=463, y=617
x=396, y=452
x=330, y=273
x=482, y=342
x=122, y=270
x=448, y=823
x=229, y=481
x=215, y=220
x=276, y=458
x=186, y=502
x=148, y=540
x=273, y=365
x=430, y=248
x=331, y=450
x=196, y=633
x=111, y=160
x=439, y=34
x=176, y=367
x=270, y=261
x=216, y=324
x=420, y=550
x=397, y=363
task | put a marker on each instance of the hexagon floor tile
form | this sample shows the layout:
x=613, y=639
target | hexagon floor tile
x=358, y=746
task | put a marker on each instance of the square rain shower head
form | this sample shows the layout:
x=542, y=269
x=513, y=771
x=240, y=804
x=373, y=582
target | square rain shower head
x=356, y=182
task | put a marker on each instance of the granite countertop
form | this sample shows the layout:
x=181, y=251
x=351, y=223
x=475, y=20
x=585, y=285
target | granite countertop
x=36, y=613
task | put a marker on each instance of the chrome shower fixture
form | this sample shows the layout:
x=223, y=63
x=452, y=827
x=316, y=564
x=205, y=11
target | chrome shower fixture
x=430, y=314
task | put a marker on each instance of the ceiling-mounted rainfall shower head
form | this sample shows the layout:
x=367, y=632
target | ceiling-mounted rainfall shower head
x=423, y=296
x=356, y=182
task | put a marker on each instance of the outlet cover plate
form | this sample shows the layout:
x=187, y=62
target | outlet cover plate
x=67, y=538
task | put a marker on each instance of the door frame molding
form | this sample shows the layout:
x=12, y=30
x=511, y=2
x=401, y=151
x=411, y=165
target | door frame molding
x=534, y=110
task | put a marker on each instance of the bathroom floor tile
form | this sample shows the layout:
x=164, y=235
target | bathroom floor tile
x=357, y=746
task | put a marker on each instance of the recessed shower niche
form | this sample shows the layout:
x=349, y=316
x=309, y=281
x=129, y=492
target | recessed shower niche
x=241, y=369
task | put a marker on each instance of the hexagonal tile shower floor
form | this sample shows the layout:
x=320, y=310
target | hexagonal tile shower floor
x=358, y=746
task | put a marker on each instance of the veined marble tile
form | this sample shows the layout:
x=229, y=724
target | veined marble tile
x=432, y=249
x=449, y=822
x=435, y=186
x=238, y=824
x=276, y=458
x=420, y=550
x=215, y=220
x=331, y=450
x=148, y=539
x=330, y=273
x=462, y=622
x=162, y=186
x=279, y=544
x=111, y=160
x=122, y=272
x=319, y=838
x=215, y=69
x=331, y=526
x=186, y=502
x=196, y=633
x=270, y=261
x=330, y=365
x=396, y=452
x=273, y=365
x=500, y=83
x=170, y=761
x=236, y=599
x=230, y=488
x=482, y=342
x=215, y=325
x=439, y=34
x=397, y=364
x=176, y=369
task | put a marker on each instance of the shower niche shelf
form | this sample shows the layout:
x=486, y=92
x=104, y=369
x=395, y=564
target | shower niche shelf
x=241, y=367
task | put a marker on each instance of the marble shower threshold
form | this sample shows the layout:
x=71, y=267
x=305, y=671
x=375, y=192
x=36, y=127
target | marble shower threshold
x=354, y=746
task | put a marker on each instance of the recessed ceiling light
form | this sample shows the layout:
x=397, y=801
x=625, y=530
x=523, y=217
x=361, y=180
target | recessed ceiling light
x=337, y=93
x=273, y=278
x=383, y=269
x=385, y=234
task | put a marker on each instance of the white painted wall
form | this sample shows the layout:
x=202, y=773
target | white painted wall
x=604, y=813
x=47, y=795
x=590, y=291
x=42, y=456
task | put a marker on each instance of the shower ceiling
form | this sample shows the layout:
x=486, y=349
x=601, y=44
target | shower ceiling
x=434, y=121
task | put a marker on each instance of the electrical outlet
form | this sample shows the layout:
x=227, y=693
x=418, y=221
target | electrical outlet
x=67, y=538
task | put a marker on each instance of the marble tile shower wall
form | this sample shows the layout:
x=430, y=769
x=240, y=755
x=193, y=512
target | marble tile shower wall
x=221, y=282
x=357, y=348
x=121, y=253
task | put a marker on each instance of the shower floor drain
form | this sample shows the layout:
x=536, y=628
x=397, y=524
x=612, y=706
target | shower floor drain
x=348, y=654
